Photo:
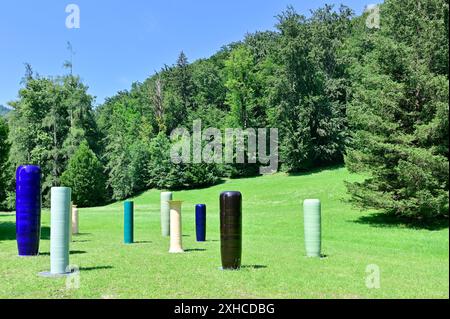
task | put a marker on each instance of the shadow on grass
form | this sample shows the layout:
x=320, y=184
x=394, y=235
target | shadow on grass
x=72, y=252
x=95, y=268
x=143, y=242
x=383, y=220
x=194, y=250
x=317, y=170
x=256, y=267
x=8, y=231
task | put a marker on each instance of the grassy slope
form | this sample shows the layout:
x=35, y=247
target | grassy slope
x=414, y=263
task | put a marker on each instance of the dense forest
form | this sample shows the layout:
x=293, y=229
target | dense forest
x=374, y=98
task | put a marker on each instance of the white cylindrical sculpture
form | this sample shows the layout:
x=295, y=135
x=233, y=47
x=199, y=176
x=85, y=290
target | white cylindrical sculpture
x=70, y=223
x=165, y=213
x=75, y=220
x=176, y=235
x=60, y=231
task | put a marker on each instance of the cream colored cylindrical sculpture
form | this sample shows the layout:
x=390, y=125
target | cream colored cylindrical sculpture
x=70, y=223
x=176, y=235
x=75, y=220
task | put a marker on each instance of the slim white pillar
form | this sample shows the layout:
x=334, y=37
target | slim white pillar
x=75, y=230
x=176, y=235
x=165, y=213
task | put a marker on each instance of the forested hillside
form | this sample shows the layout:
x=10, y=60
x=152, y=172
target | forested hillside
x=337, y=90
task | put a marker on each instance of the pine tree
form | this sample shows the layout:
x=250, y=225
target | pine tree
x=85, y=175
x=399, y=111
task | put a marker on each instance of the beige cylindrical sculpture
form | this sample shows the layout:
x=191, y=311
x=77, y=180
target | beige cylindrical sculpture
x=176, y=235
x=75, y=220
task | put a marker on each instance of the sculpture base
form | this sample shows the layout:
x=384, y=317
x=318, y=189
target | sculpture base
x=229, y=269
x=176, y=251
x=48, y=274
x=321, y=256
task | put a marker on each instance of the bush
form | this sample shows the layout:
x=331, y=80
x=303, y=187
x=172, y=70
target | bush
x=164, y=174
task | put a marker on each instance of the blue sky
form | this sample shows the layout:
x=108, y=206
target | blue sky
x=120, y=42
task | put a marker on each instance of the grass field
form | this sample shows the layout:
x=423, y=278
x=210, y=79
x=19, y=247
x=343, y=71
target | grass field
x=414, y=262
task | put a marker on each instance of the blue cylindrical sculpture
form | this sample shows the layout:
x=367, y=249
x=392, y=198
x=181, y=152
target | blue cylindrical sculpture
x=200, y=222
x=28, y=209
x=60, y=227
x=128, y=224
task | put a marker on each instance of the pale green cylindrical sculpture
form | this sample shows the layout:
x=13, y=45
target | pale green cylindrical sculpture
x=60, y=229
x=312, y=224
x=165, y=213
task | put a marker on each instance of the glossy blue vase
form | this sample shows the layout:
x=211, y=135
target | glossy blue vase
x=28, y=209
x=200, y=222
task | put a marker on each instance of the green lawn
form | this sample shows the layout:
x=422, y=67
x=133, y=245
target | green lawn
x=414, y=262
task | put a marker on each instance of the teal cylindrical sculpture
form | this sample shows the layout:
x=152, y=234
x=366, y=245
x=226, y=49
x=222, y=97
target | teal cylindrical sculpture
x=60, y=229
x=128, y=224
x=165, y=213
x=312, y=224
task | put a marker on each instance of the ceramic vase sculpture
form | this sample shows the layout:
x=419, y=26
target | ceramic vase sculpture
x=165, y=213
x=60, y=229
x=312, y=224
x=128, y=234
x=28, y=209
x=75, y=223
x=176, y=236
x=231, y=230
x=200, y=222
x=70, y=224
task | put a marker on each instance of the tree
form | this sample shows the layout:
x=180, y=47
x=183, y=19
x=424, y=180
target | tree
x=307, y=106
x=399, y=111
x=4, y=150
x=85, y=175
x=243, y=89
x=178, y=93
x=48, y=122
x=164, y=174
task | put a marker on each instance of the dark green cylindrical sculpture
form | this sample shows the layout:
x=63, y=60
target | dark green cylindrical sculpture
x=128, y=224
x=231, y=229
x=312, y=224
